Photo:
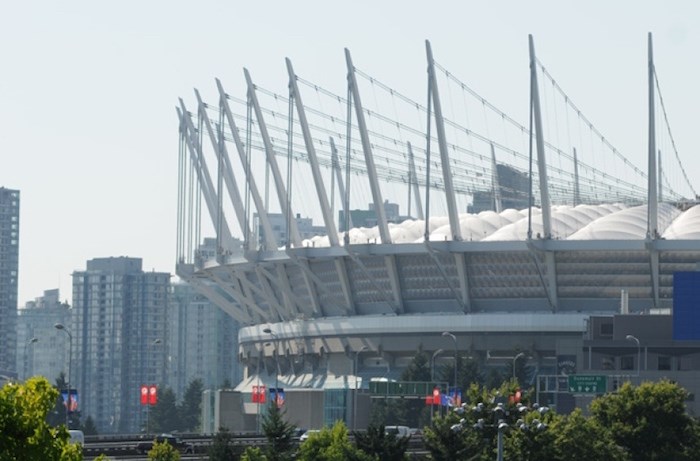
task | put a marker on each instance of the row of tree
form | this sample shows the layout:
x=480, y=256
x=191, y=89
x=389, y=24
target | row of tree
x=643, y=423
x=168, y=415
x=637, y=423
x=414, y=413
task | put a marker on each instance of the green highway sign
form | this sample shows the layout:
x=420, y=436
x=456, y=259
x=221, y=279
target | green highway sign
x=588, y=384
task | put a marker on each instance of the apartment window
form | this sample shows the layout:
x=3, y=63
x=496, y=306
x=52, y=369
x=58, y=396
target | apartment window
x=627, y=363
x=664, y=363
x=607, y=363
x=606, y=329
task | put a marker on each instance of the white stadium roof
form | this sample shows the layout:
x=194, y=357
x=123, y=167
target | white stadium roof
x=583, y=222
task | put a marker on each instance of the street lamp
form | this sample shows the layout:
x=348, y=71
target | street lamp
x=520, y=354
x=60, y=326
x=354, y=399
x=432, y=363
x=639, y=351
x=277, y=362
x=502, y=421
x=454, y=339
x=26, y=356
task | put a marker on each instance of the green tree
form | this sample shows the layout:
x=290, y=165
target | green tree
x=577, y=438
x=163, y=452
x=446, y=443
x=331, y=445
x=387, y=447
x=24, y=431
x=413, y=412
x=467, y=372
x=191, y=406
x=471, y=433
x=222, y=446
x=163, y=415
x=649, y=421
x=279, y=434
x=89, y=427
x=252, y=454
x=57, y=414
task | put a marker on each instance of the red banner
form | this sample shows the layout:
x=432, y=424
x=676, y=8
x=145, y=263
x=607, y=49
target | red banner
x=433, y=399
x=256, y=395
x=261, y=394
x=152, y=395
x=144, y=395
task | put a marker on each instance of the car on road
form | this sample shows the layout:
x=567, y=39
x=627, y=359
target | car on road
x=76, y=436
x=398, y=431
x=145, y=446
x=306, y=434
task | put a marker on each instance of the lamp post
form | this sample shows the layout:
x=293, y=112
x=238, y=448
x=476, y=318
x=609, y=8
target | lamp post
x=515, y=359
x=502, y=421
x=432, y=363
x=277, y=362
x=354, y=398
x=454, y=339
x=60, y=326
x=148, y=406
x=26, y=356
x=432, y=376
x=639, y=351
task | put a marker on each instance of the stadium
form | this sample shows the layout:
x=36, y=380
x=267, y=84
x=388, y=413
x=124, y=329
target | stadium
x=510, y=244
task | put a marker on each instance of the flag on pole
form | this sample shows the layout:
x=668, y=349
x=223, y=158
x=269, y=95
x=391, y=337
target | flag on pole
x=152, y=395
x=255, y=395
x=144, y=395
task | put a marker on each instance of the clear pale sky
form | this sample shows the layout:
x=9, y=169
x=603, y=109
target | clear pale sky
x=88, y=130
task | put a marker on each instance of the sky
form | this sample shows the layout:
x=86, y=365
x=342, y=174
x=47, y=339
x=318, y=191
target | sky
x=88, y=128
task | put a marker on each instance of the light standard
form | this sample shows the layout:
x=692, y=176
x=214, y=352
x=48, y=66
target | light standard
x=515, y=359
x=148, y=405
x=432, y=363
x=502, y=421
x=277, y=362
x=60, y=326
x=26, y=356
x=354, y=398
x=639, y=351
x=454, y=339
x=432, y=376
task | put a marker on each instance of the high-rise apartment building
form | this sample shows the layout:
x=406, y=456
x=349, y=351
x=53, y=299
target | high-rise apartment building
x=120, y=339
x=42, y=350
x=203, y=341
x=9, y=263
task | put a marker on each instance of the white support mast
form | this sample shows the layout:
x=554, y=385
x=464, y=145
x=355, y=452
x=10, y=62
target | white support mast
x=282, y=194
x=661, y=180
x=231, y=184
x=577, y=184
x=653, y=186
x=367, y=149
x=652, y=221
x=444, y=152
x=270, y=241
x=335, y=163
x=539, y=140
x=313, y=159
x=551, y=286
x=495, y=183
x=204, y=177
x=413, y=182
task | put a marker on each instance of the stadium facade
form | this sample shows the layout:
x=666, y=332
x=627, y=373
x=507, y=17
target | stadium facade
x=332, y=312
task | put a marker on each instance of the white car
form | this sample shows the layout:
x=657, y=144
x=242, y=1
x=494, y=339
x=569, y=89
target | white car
x=306, y=434
x=76, y=436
